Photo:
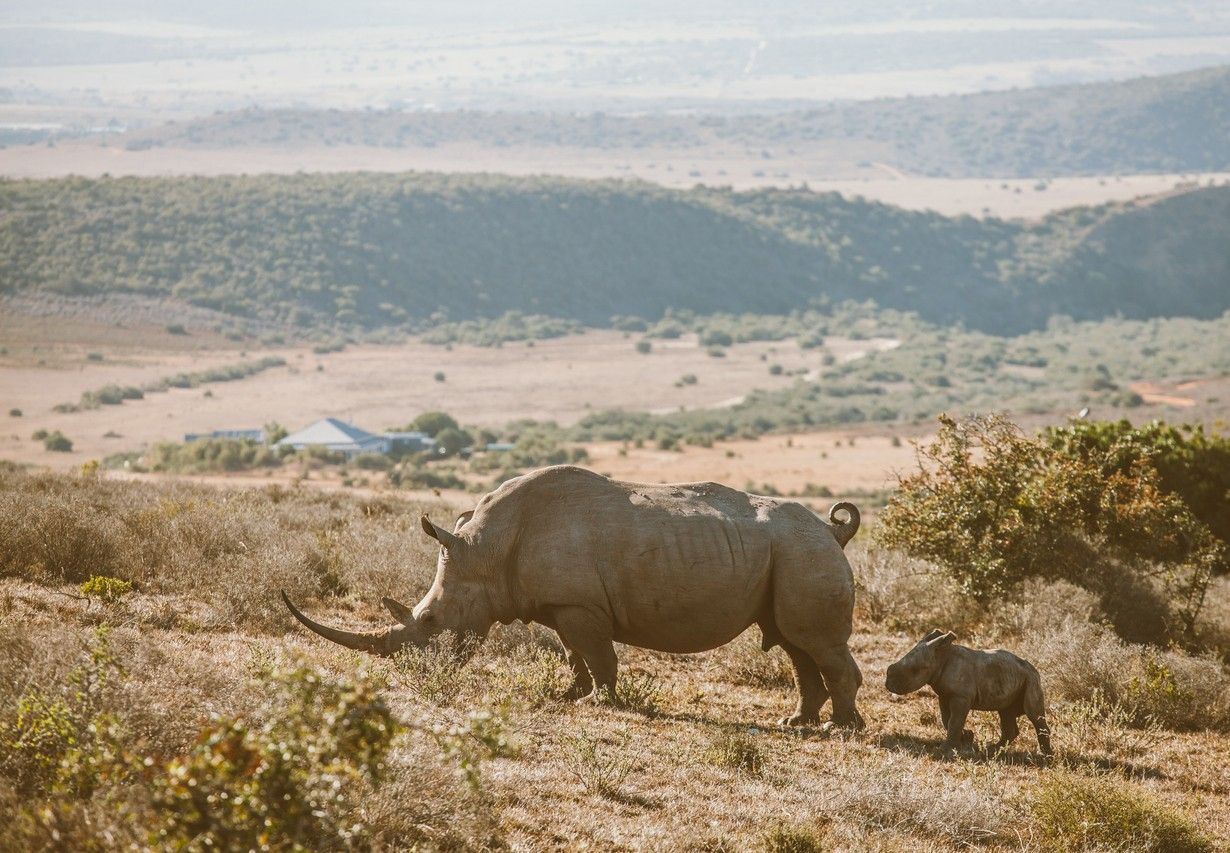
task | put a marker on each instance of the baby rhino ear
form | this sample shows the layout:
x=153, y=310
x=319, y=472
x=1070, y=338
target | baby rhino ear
x=940, y=639
x=932, y=634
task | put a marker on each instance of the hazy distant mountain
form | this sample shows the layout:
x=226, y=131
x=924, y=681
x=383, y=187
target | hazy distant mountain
x=1173, y=123
x=378, y=249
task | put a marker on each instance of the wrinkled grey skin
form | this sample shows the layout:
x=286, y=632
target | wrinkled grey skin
x=677, y=568
x=969, y=680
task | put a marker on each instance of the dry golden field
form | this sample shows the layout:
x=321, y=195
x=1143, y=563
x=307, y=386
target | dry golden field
x=47, y=361
x=490, y=756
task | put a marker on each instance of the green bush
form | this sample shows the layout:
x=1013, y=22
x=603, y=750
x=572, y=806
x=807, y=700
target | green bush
x=1192, y=464
x=1073, y=813
x=992, y=507
x=105, y=588
x=211, y=454
x=294, y=773
x=62, y=740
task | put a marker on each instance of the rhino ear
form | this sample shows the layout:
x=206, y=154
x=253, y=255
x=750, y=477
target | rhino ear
x=447, y=540
x=462, y=519
x=401, y=612
x=932, y=634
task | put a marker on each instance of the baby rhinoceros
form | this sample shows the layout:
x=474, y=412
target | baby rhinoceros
x=971, y=680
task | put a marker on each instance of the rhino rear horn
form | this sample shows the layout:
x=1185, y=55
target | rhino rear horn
x=447, y=540
x=400, y=612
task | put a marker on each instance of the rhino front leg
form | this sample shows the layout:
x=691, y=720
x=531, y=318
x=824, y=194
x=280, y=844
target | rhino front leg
x=812, y=692
x=582, y=682
x=958, y=710
x=587, y=636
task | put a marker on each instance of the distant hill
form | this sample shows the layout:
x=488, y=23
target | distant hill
x=384, y=249
x=1172, y=123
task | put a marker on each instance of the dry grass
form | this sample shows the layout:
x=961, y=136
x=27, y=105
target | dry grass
x=493, y=758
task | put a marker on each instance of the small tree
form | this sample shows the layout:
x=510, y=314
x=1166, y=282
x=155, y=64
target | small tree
x=433, y=422
x=992, y=507
x=450, y=441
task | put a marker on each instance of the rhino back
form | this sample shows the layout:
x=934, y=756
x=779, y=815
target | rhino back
x=679, y=567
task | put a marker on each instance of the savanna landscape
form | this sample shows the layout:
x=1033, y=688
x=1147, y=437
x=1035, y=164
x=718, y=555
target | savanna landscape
x=809, y=256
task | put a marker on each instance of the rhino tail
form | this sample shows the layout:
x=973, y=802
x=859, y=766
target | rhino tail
x=844, y=530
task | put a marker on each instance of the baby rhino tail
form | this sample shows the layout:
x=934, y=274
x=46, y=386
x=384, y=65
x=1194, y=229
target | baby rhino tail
x=1035, y=709
x=844, y=530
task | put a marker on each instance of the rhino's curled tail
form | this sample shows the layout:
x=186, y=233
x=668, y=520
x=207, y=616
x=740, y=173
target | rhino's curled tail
x=844, y=530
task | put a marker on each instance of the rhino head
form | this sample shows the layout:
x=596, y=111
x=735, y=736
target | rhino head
x=921, y=664
x=457, y=609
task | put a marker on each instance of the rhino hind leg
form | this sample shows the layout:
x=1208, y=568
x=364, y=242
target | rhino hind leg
x=812, y=692
x=841, y=676
x=1008, y=729
x=587, y=635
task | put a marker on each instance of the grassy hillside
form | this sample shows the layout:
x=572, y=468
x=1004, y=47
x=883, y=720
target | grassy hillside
x=387, y=249
x=1171, y=123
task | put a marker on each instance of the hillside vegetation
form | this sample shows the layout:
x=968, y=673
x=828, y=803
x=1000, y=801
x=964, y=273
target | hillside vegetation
x=1170, y=123
x=392, y=249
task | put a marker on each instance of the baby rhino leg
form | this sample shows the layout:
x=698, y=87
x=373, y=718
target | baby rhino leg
x=1008, y=729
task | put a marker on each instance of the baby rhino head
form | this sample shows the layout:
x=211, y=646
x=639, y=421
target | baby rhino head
x=920, y=664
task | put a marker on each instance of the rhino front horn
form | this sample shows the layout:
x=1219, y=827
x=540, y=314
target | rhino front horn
x=365, y=641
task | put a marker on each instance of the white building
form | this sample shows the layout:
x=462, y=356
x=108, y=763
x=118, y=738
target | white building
x=336, y=435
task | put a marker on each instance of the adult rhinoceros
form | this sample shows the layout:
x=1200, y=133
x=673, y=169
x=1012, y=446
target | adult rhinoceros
x=677, y=568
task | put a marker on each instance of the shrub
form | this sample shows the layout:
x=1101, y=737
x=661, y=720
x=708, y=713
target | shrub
x=1191, y=463
x=639, y=692
x=784, y=838
x=294, y=772
x=644, y=347
x=901, y=794
x=776, y=370
x=105, y=588
x=176, y=329
x=63, y=740
x=439, y=376
x=432, y=671
x=14, y=413
x=484, y=733
x=736, y=750
x=599, y=769
x=58, y=442
x=372, y=462
x=993, y=507
x=432, y=423
x=1073, y=812
x=1084, y=662
x=211, y=454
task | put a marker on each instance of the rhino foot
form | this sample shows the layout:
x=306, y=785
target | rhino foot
x=599, y=696
x=577, y=692
x=800, y=720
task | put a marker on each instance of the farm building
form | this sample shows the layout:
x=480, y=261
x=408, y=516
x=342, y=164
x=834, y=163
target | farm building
x=257, y=435
x=338, y=436
x=409, y=442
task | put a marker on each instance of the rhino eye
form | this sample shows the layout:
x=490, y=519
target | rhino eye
x=428, y=617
